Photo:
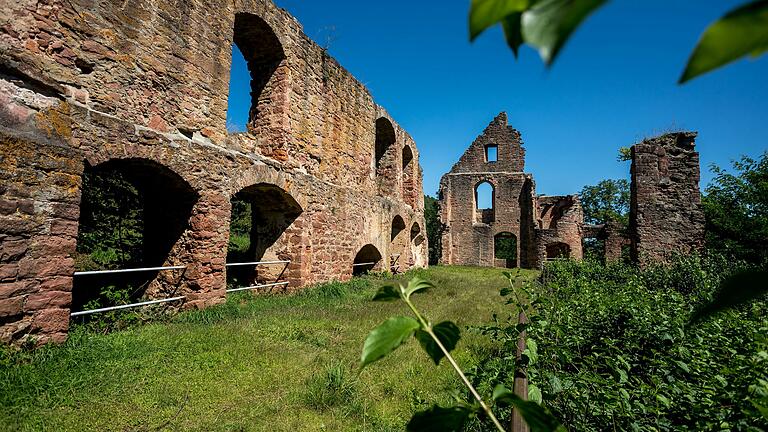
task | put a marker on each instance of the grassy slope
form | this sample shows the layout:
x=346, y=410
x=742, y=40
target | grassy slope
x=267, y=363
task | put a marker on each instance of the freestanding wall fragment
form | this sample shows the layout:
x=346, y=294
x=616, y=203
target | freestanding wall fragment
x=665, y=210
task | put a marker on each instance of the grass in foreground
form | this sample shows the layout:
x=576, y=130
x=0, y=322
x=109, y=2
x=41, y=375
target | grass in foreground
x=280, y=363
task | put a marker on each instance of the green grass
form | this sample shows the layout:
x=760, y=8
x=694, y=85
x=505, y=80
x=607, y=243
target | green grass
x=278, y=363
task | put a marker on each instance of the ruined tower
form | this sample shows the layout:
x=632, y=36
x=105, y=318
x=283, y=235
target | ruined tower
x=665, y=209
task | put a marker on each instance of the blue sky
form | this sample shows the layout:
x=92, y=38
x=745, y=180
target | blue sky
x=613, y=84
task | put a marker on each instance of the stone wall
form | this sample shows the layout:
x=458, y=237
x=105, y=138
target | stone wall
x=665, y=214
x=143, y=86
x=535, y=222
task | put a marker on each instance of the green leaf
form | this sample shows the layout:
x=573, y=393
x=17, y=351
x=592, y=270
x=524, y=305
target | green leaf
x=417, y=284
x=531, y=351
x=741, y=32
x=537, y=418
x=738, y=289
x=439, y=419
x=486, y=13
x=447, y=333
x=386, y=338
x=387, y=293
x=534, y=394
x=548, y=24
x=664, y=400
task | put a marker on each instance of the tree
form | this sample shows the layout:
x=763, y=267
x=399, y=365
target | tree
x=607, y=200
x=434, y=229
x=547, y=24
x=736, y=210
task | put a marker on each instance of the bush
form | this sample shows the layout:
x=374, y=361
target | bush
x=615, y=349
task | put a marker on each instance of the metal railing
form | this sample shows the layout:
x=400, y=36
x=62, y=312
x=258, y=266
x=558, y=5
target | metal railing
x=134, y=270
x=172, y=299
x=255, y=263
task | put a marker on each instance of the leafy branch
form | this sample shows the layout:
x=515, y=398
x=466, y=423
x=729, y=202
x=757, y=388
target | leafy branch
x=547, y=24
x=438, y=341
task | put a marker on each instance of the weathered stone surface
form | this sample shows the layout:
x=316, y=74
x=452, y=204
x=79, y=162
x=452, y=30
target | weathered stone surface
x=470, y=233
x=665, y=214
x=143, y=86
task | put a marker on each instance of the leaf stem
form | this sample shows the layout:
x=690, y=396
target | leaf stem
x=428, y=328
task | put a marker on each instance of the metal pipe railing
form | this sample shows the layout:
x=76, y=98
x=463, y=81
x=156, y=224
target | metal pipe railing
x=256, y=286
x=363, y=264
x=256, y=263
x=111, y=308
x=143, y=269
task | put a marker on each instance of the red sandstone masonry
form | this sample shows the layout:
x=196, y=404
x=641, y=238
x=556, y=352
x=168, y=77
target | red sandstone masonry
x=85, y=82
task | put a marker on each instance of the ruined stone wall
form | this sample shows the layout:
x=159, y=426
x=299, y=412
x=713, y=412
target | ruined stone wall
x=560, y=231
x=95, y=83
x=469, y=235
x=665, y=207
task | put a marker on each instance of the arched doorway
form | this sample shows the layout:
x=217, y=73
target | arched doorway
x=133, y=212
x=261, y=214
x=368, y=258
x=505, y=249
x=398, y=245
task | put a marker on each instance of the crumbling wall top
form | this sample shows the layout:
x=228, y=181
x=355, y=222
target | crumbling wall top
x=498, y=149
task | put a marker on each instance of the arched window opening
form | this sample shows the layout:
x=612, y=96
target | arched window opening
x=398, y=244
x=132, y=214
x=558, y=251
x=384, y=149
x=505, y=249
x=261, y=214
x=409, y=189
x=484, y=203
x=254, y=92
x=417, y=237
x=367, y=259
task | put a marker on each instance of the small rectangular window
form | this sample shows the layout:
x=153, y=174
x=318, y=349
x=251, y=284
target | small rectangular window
x=491, y=153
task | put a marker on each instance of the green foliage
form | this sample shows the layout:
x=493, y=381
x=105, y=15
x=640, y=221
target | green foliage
x=387, y=337
x=547, y=24
x=336, y=386
x=110, y=233
x=434, y=229
x=625, y=154
x=446, y=332
x=505, y=247
x=439, y=419
x=537, y=418
x=239, y=228
x=736, y=209
x=608, y=200
x=741, y=32
x=543, y=24
x=615, y=350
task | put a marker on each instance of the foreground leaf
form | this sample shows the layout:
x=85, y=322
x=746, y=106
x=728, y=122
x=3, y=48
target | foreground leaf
x=386, y=338
x=741, y=32
x=537, y=418
x=439, y=419
x=417, y=284
x=738, y=289
x=447, y=333
x=487, y=13
x=548, y=24
x=387, y=293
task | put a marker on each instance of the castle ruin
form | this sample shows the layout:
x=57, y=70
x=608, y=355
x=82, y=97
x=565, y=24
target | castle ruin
x=141, y=88
x=665, y=211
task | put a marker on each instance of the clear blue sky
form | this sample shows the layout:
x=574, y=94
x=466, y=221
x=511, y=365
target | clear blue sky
x=614, y=83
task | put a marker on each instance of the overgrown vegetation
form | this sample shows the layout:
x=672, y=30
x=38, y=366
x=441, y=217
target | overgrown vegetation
x=434, y=229
x=736, y=208
x=612, y=348
x=282, y=363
